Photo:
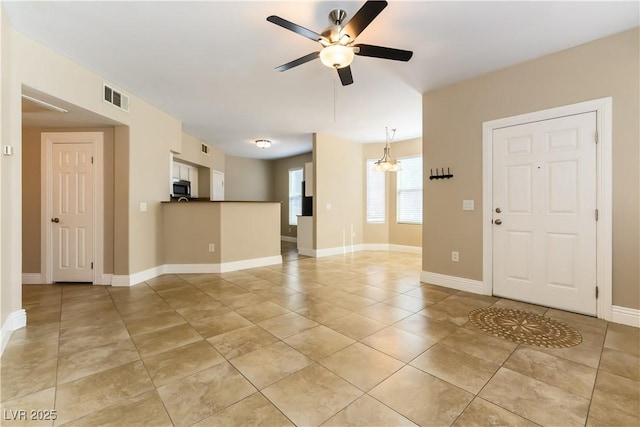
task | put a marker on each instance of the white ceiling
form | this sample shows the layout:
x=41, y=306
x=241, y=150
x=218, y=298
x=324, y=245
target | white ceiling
x=211, y=64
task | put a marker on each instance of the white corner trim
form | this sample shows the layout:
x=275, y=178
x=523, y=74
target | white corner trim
x=626, y=316
x=105, y=279
x=289, y=239
x=32, y=279
x=459, y=283
x=306, y=252
x=15, y=320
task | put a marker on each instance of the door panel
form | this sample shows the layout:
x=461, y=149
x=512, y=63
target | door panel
x=544, y=193
x=73, y=208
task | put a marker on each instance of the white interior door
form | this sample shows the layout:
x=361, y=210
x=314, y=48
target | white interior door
x=544, y=212
x=72, y=212
x=217, y=185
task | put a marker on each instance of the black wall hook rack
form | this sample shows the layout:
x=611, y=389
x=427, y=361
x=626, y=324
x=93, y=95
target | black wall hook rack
x=440, y=175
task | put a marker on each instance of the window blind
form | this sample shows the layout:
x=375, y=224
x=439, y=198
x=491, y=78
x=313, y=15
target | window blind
x=409, y=202
x=295, y=195
x=376, y=211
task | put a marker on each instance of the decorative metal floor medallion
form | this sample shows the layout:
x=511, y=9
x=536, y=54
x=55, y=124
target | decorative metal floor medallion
x=525, y=328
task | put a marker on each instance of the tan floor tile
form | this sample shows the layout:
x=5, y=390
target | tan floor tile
x=522, y=306
x=262, y=311
x=322, y=312
x=203, y=309
x=474, y=342
x=201, y=395
x=155, y=322
x=165, y=339
x=622, y=341
x=181, y=362
x=422, y=398
x=242, y=341
x=84, y=337
x=95, y=392
x=270, y=364
x=285, y=325
x=353, y=302
x=613, y=395
x=254, y=410
x=453, y=309
x=219, y=324
x=26, y=378
x=428, y=293
x=355, y=325
x=362, y=366
x=537, y=401
x=366, y=412
x=398, y=343
x=426, y=327
x=406, y=302
x=375, y=293
x=585, y=354
x=79, y=364
x=319, y=342
x=562, y=373
x=481, y=413
x=30, y=351
x=619, y=363
x=145, y=409
x=31, y=334
x=385, y=313
x=20, y=411
x=456, y=367
x=311, y=396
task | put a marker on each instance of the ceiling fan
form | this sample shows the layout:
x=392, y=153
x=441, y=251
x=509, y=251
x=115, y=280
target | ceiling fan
x=338, y=40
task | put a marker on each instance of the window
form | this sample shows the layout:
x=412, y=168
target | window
x=295, y=195
x=410, y=191
x=375, y=195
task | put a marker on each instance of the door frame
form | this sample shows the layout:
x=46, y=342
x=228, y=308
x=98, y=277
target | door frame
x=604, y=173
x=46, y=178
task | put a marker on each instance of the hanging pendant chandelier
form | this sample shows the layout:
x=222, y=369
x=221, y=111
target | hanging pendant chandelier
x=387, y=163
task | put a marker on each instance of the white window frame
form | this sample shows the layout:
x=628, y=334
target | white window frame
x=293, y=214
x=371, y=218
x=403, y=162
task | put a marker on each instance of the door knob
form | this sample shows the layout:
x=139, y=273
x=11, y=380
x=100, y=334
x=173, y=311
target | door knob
x=56, y=220
x=497, y=222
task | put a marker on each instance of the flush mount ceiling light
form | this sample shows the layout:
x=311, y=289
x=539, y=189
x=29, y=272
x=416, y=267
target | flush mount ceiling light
x=386, y=163
x=263, y=143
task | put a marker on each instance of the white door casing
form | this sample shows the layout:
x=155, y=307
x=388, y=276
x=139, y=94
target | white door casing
x=558, y=242
x=72, y=249
x=544, y=201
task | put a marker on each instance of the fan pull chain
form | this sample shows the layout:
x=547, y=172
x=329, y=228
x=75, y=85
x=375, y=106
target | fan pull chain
x=334, y=99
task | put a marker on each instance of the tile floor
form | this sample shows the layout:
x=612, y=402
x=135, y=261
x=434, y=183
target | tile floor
x=336, y=341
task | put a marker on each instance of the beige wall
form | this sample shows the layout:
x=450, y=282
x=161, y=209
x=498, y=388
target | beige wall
x=239, y=231
x=248, y=179
x=191, y=153
x=31, y=196
x=452, y=136
x=281, y=188
x=391, y=232
x=339, y=172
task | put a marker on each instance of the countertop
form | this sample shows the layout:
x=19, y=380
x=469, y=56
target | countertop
x=218, y=201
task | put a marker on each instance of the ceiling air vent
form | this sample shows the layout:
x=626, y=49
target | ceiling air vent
x=115, y=97
x=204, y=148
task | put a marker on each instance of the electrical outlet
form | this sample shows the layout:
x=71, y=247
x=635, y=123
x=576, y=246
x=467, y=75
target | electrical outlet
x=455, y=256
x=212, y=247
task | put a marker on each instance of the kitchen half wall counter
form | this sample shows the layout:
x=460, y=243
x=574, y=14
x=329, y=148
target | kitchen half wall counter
x=203, y=236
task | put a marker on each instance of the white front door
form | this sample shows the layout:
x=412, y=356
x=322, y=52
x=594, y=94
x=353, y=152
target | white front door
x=72, y=212
x=544, y=212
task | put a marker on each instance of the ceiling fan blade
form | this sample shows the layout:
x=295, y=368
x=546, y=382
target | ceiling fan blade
x=299, y=61
x=383, y=52
x=363, y=18
x=312, y=35
x=345, y=75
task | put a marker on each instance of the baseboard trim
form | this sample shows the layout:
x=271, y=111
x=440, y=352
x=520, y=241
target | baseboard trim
x=15, y=320
x=289, y=239
x=344, y=250
x=225, y=267
x=32, y=279
x=459, y=283
x=626, y=316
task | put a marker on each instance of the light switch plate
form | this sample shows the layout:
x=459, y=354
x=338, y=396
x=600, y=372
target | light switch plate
x=468, y=205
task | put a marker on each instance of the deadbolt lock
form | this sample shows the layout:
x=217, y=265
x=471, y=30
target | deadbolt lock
x=498, y=210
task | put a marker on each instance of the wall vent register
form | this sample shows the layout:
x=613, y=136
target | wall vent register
x=115, y=97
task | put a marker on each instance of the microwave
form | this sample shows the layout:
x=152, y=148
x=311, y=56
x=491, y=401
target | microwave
x=181, y=188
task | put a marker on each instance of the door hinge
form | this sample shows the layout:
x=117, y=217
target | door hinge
x=597, y=214
x=92, y=266
x=597, y=292
x=596, y=137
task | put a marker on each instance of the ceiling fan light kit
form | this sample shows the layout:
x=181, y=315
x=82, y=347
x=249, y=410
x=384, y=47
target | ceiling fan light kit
x=338, y=50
